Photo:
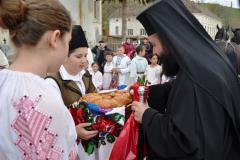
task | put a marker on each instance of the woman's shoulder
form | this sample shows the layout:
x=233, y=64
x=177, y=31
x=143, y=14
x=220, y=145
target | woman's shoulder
x=23, y=83
x=11, y=76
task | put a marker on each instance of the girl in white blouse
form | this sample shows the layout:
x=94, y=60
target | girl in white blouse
x=153, y=71
x=35, y=124
x=108, y=67
x=97, y=77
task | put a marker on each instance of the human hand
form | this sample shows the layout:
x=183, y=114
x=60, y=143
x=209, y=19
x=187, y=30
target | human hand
x=139, y=109
x=83, y=133
x=130, y=88
x=117, y=70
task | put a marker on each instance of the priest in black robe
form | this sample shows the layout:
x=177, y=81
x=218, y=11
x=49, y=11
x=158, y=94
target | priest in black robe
x=201, y=120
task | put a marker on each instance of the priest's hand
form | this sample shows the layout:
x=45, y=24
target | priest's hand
x=83, y=133
x=139, y=109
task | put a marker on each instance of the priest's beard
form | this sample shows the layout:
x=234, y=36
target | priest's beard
x=170, y=67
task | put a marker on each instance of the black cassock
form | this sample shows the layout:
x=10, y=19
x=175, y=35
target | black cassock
x=159, y=101
x=202, y=118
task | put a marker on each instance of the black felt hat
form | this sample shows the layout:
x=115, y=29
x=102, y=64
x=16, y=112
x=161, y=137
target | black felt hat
x=78, y=38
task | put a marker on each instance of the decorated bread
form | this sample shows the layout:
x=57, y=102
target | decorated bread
x=112, y=99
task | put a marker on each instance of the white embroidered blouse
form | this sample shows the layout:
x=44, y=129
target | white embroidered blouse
x=35, y=124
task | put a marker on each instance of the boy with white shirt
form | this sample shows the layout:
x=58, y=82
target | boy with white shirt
x=122, y=66
x=138, y=64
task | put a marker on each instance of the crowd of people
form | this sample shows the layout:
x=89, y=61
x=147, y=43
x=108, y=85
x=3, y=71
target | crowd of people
x=123, y=66
x=192, y=116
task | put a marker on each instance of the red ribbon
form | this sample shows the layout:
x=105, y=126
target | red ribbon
x=136, y=96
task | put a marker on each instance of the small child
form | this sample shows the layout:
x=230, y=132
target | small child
x=97, y=77
x=138, y=64
x=153, y=71
x=122, y=68
x=107, y=76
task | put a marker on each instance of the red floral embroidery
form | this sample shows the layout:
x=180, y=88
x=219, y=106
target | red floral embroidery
x=35, y=140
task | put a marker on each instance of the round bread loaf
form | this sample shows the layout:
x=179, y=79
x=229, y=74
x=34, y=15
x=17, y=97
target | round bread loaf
x=109, y=100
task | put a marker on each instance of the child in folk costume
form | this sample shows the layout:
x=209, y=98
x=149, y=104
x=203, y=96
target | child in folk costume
x=73, y=81
x=138, y=64
x=97, y=77
x=35, y=124
x=108, y=67
x=153, y=71
x=122, y=66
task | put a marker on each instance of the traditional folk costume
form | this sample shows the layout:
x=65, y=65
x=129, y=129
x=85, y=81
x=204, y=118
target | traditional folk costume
x=137, y=68
x=72, y=87
x=35, y=124
x=123, y=63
